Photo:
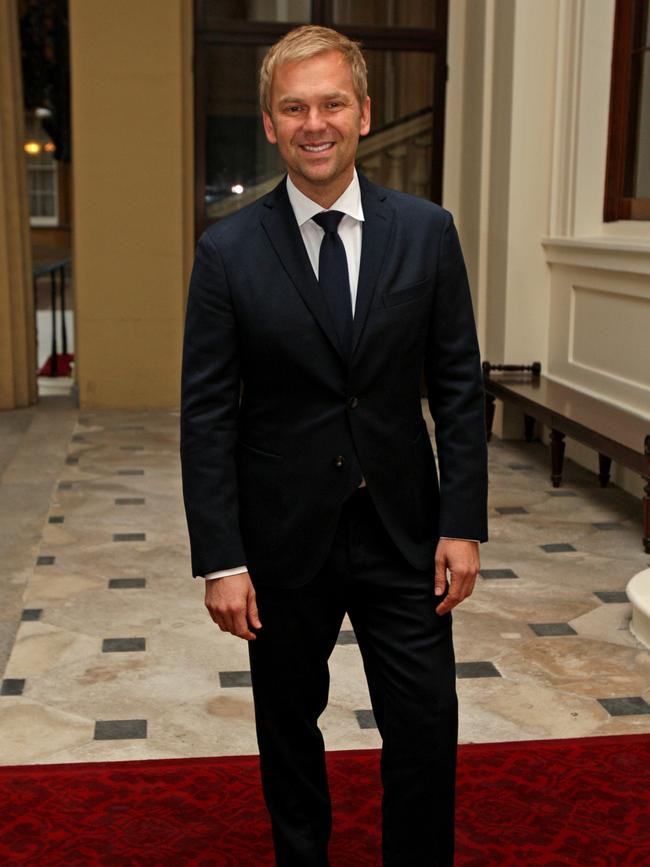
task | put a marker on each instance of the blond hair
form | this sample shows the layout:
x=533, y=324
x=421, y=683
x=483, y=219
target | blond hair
x=308, y=41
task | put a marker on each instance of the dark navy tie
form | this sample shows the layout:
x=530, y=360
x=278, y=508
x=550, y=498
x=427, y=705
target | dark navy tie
x=333, y=277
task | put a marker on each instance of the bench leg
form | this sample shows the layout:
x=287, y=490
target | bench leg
x=490, y=401
x=529, y=428
x=604, y=466
x=557, y=457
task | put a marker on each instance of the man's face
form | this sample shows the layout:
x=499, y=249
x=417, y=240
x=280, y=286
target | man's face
x=316, y=121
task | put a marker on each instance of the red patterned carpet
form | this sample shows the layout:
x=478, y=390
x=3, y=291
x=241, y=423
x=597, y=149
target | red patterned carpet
x=564, y=802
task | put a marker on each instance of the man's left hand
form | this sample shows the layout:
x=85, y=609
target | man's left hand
x=461, y=557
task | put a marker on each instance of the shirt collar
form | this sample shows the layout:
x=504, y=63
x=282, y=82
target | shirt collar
x=349, y=202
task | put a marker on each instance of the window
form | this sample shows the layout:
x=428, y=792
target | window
x=405, y=45
x=42, y=175
x=627, y=183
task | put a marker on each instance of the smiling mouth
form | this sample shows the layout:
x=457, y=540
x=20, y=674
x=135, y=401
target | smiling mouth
x=317, y=148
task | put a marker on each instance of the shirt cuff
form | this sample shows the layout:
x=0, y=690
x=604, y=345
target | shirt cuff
x=236, y=570
x=456, y=539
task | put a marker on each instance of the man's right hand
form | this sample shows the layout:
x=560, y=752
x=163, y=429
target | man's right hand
x=231, y=603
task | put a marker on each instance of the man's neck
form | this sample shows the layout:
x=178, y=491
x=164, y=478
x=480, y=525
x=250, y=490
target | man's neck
x=325, y=195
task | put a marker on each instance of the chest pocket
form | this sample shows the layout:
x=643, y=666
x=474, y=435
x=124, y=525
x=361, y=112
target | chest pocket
x=414, y=292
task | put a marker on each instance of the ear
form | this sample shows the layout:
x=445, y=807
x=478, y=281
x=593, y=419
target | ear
x=364, y=126
x=268, y=128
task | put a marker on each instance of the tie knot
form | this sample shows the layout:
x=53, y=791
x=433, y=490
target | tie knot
x=329, y=220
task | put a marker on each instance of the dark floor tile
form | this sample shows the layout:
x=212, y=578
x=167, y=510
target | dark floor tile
x=477, y=669
x=629, y=706
x=557, y=547
x=366, y=719
x=521, y=466
x=611, y=595
x=45, y=560
x=512, y=510
x=31, y=614
x=12, y=686
x=607, y=525
x=346, y=636
x=129, y=537
x=123, y=645
x=129, y=501
x=55, y=519
x=498, y=573
x=65, y=486
x=548, y=629
x=557, y=492
x=120, y=729
x=130, y=472
x=234, y=678
x=126, y=583
x=71, y=461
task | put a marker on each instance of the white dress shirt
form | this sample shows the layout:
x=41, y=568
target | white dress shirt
x=350, y=232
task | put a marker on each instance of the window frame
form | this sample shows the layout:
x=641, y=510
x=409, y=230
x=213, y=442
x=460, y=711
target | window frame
x=623, y=116
x=208, y=31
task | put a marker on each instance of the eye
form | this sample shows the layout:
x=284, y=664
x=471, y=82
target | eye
x=293, y=109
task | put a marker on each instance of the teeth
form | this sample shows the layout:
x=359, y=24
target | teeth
x=316, y=148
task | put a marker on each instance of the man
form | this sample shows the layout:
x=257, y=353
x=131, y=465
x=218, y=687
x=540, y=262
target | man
x=309, y=480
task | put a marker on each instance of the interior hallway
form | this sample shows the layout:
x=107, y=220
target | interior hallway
x=108, y=652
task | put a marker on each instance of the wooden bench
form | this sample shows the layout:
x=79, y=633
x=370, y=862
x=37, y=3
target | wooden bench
x=615, y=433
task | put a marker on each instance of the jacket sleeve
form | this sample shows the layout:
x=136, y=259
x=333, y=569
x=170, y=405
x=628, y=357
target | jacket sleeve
x=455, y=394
x=210, y=388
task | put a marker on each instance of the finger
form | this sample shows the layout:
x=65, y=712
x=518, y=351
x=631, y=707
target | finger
x=252, y=613
x=446, y=605
x=440, y=580
x=459, y=589
x=240, y=627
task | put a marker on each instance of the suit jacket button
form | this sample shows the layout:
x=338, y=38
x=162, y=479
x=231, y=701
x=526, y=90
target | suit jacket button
x=353, y=402
x=339, y=461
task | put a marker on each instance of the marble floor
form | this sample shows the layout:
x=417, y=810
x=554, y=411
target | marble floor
x=108, y=652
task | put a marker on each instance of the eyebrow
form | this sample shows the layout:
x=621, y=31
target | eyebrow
x=338, y=94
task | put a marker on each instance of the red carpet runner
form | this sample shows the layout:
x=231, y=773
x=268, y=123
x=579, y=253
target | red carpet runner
x=579, y=802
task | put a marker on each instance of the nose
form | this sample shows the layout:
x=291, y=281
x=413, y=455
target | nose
x=314, y=121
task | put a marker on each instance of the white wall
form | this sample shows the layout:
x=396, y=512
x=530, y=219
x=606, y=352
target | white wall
x=525, y=154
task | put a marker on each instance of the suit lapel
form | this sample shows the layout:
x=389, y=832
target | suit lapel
x=377, y=229
x=280, y=225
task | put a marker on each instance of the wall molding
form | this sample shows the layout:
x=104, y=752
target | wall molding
x=630, y=256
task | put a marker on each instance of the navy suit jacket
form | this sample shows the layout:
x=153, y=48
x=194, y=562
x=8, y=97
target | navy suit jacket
x=272, y=414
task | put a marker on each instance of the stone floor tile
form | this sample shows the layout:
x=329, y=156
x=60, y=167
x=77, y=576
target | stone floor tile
x=120, y=729
x=126, y=583
x=498, y=574
x=611, y=596
x=548, y=629
x=12, y=686
x=477, y=669
x=547, y=688
x=366, y=719
x=557, y=547
x=234, y=678
x=346, y=636
x=628, y=706
x=123, y=645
